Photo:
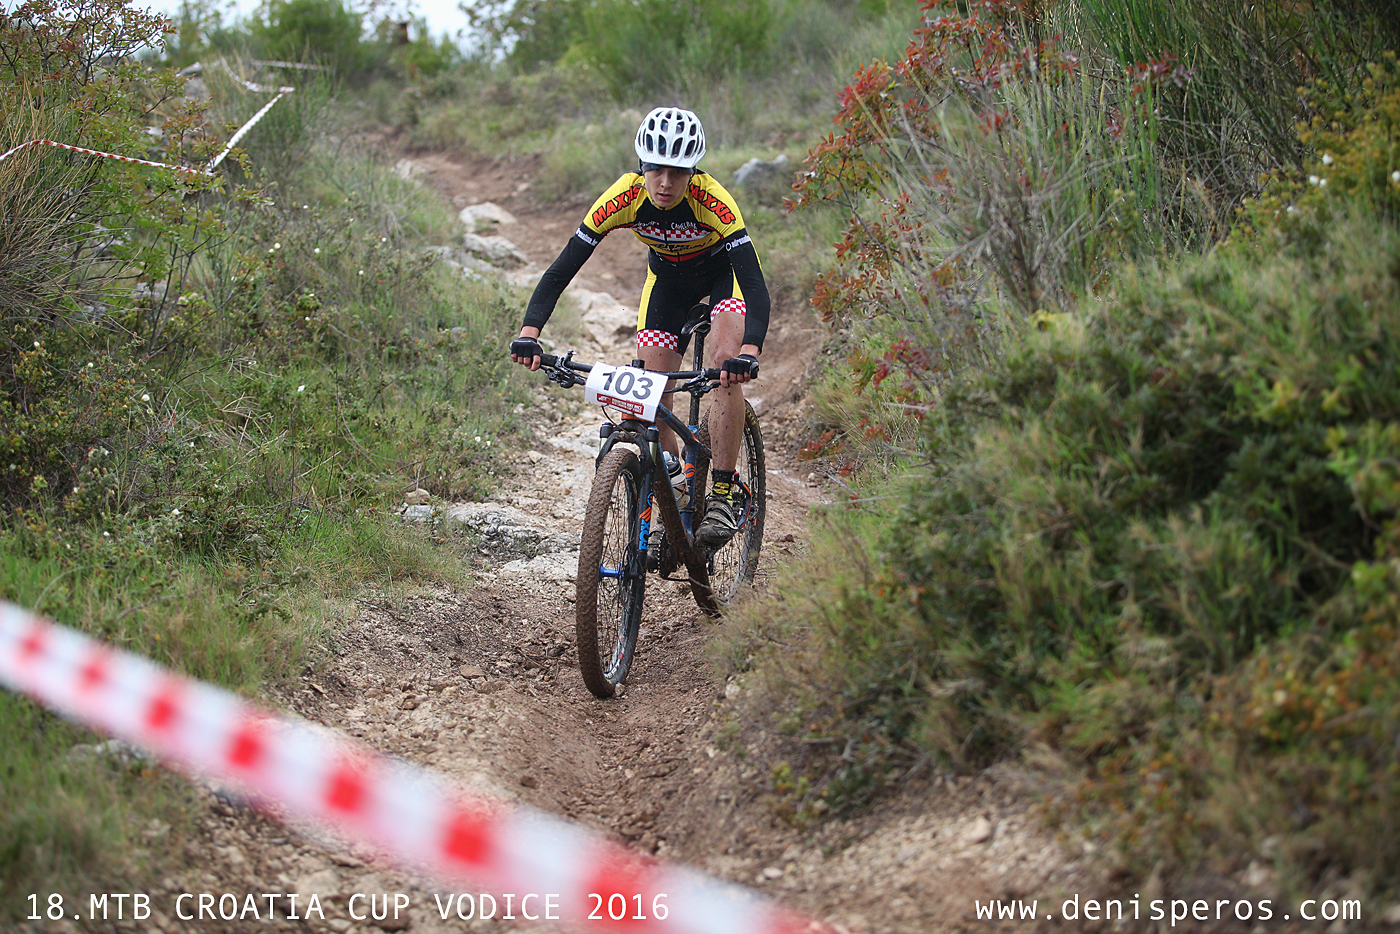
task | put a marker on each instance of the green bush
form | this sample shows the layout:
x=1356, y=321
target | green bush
x=757, y=60
x=1151, y=516
x=1354, y=164
x=1234, y=120
x=323, y=31
x=537, y=32
x=211, y=397
x=661, y=47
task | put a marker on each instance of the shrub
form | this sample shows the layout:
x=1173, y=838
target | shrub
x=536, y=33
x=668, y=46
x=1234, y=121
x=1353, y=138
x=209, y=398
x=988, y=176
x=706, y=54
x=38, y=199
x=324, y=31
x=1161, y=541
x=997, y=167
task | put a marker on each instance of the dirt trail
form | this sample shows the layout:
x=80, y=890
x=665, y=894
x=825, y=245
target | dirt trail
x=483, y=685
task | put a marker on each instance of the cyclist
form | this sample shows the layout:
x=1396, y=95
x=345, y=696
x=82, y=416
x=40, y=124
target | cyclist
x=698, y=251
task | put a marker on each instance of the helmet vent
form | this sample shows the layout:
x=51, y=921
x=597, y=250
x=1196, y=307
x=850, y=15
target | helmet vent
x=671, y=136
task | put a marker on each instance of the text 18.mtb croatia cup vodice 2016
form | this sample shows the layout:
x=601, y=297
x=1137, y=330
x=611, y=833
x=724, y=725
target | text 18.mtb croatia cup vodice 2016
x=632, y=485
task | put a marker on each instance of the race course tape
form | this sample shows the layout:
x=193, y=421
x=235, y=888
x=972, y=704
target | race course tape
x=213, y=163
x=261, y=88
x=409, y=813
x=109, y=155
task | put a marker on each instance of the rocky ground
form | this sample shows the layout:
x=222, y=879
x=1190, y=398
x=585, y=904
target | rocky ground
x=482, y=684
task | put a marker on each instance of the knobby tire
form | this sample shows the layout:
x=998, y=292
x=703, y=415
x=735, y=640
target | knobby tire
x=732, y=566
x=609, y=608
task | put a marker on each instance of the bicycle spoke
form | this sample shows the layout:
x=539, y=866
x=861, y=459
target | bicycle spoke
x=609, y=599
x=732, y=566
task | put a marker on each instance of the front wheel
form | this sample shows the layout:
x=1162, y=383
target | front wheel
x=611, y=574
x=733, y=565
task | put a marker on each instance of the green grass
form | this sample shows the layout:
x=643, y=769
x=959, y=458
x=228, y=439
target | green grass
x=1234, y=120
x=72, y=823
x=208, y=482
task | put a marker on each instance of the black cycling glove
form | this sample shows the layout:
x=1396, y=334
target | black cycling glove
x=744, y=363
x=526, y=347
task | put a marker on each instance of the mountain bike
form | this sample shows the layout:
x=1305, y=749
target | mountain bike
x=631, y=485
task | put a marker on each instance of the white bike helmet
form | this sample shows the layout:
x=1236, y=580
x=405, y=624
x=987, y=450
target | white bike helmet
x=671, y=136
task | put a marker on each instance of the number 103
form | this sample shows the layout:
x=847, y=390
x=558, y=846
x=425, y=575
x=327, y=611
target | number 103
x=625, y=383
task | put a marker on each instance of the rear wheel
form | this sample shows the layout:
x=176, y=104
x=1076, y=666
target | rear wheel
x=733, y=565
x=611, y=574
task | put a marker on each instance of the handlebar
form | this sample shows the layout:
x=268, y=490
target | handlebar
x=562, y=370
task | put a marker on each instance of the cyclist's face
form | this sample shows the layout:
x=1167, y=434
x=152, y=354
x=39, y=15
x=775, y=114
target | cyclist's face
x=666, y=186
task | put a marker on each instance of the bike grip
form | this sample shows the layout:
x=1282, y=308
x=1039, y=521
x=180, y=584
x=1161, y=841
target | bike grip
x=548, y=359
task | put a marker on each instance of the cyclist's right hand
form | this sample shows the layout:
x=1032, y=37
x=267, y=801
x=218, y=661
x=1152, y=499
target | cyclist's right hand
x=526, y=351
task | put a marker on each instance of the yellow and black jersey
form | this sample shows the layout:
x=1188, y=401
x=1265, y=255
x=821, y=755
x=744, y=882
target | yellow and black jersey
x=699, y=239
x=699, y=222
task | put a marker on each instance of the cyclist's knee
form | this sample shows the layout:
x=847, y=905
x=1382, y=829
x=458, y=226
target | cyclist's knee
x=722, y=350
x=725, y=338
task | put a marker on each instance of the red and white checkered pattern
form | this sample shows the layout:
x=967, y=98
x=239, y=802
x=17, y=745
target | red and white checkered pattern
x=735, y=305
x=654, y=338
x=410, y=813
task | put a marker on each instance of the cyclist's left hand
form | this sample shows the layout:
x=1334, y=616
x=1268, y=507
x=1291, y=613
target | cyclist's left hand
x=739, y=370
x=525, y=349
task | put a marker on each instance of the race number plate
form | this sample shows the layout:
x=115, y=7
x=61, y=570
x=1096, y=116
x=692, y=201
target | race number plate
x=635, y=392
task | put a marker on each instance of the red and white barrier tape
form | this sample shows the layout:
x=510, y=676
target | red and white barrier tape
x=233, y=140
x=105, y=155
x=213, y=163
x=300, y=65
x=413, y=815
x=260, y=88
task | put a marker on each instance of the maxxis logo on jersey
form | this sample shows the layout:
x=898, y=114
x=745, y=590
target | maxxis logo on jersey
x=713, y=204
x=601, y=215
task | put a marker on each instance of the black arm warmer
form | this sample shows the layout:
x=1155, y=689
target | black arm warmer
x=557, y=277
x=749, y=275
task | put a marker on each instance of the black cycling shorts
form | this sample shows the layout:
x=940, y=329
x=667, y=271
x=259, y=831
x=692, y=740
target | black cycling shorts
x=672, y=290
